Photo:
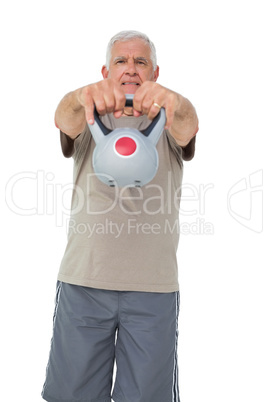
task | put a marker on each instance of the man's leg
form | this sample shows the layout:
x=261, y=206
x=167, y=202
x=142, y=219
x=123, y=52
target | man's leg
x=81, y=360
x=146, y=349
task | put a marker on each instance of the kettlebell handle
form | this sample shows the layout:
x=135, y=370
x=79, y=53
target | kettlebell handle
x=104, y=129
x=129, y=100
x=153, y=131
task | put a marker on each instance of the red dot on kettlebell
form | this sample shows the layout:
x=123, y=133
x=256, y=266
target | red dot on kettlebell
x=125, y=146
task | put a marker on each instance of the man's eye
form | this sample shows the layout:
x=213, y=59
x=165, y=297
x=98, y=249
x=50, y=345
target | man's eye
x=120, y=61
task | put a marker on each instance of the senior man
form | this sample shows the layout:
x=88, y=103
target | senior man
x=117, y=290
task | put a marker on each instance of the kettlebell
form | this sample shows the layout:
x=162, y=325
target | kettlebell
x=126, y=157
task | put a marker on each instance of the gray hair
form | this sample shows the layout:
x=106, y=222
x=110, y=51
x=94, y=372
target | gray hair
x=125, y=36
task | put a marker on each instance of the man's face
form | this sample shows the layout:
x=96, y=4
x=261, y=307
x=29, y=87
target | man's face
x=131, y=65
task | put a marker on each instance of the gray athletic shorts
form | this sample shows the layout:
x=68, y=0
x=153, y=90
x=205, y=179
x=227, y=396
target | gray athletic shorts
x=93, y=328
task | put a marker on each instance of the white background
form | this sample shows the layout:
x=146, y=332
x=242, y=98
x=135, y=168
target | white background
x=214, y=53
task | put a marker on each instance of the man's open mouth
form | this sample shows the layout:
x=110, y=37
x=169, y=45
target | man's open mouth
x=130, y=83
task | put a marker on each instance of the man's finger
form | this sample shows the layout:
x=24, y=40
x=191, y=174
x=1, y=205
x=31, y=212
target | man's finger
x=89, y=111
x=136, y=113
x=153, y=112
x=120, y=99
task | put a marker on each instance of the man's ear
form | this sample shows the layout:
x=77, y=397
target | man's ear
x=105, y=72
x=156, y=73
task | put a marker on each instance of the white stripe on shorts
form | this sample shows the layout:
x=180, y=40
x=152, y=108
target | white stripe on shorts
x=175, y=390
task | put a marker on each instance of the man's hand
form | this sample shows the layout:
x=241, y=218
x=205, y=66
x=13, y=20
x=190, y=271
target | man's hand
x=150, y=97
x=106, y=95
x=77, y=107
x=182, y=121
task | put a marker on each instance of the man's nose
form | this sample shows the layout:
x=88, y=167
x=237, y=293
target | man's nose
x=131, y=67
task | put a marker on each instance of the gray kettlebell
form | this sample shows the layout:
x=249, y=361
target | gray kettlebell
x=126, y=156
